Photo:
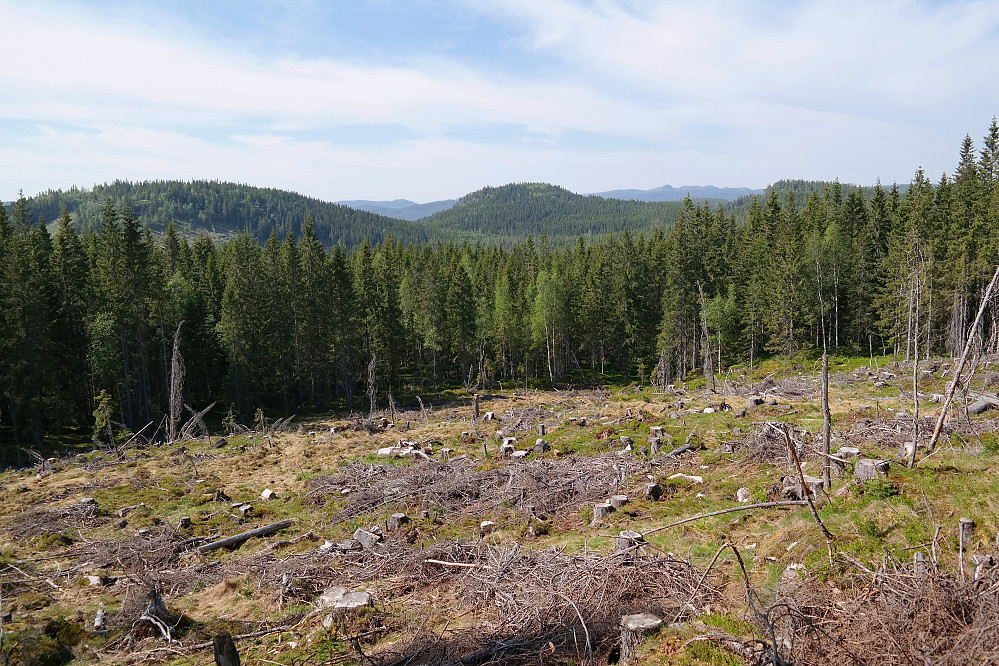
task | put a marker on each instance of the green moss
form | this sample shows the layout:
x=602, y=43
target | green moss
x=703, y=653
x=31, y=601
x=729, y=623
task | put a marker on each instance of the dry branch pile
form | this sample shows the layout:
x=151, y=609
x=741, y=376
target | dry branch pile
x=551, y=486
x=899, y=615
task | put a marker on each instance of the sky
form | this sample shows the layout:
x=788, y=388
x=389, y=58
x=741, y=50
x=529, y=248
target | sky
x=431, y=99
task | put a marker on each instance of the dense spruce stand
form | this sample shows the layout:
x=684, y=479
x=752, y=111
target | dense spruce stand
x=286, y=316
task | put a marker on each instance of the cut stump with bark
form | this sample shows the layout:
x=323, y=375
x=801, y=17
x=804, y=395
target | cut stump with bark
x=635, y=630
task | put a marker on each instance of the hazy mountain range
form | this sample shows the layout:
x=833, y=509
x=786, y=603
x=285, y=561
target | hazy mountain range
x=401, y=209
x=670, y=193
x=404, y=209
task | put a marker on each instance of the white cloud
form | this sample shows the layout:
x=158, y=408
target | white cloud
x=728, y=93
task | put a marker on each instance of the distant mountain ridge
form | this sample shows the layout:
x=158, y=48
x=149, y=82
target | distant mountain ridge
x=401, y=209
x=670, y=193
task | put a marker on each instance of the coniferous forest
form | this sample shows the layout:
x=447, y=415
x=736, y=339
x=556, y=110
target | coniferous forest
x=89, y=315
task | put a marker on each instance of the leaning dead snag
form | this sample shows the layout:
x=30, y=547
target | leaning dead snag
x=959, y=369
x=239, y=539
x=805, y=491
x=176, y=387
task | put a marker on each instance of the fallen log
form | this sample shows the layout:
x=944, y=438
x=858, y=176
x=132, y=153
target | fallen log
x=239, y=539
x=765, y=505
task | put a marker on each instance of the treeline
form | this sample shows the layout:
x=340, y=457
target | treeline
x=88, y=321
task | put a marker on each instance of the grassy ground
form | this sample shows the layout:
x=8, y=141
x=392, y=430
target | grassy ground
x=49, y=545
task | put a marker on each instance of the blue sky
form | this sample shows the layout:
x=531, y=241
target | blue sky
x=431, y=99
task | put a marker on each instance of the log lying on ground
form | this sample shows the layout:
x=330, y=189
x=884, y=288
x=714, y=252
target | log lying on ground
x=239, y=539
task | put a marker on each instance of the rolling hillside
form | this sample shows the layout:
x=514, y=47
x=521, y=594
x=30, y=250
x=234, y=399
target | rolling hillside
x=226, y=208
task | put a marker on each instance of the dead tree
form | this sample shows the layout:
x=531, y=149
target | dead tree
x=826, y=424
x=959, y=369
x=195, y=423
x=176, y=386
x=708, y=370
x=372, y=365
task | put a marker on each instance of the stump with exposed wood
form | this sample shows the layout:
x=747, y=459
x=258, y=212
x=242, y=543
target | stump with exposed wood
x=617, y=501
x=628, y=540
x=396, y=521
x=635, y=630
x=601, y=512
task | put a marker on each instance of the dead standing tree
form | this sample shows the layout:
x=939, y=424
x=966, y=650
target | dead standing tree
x=709, y=373
x=958, y=370
x=372, y=384
x=176, y=387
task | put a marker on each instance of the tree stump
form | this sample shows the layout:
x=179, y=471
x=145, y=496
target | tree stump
x=792, y=486
x=967, y=526
x=541, y=430
x=600, y=512
x=617, y=501
x=475, y=407
x=653, y=491
x=627, y=540
x=635, y=629
x=396, y=521
x=867, y=469
x=656, y=431
x=225, y=650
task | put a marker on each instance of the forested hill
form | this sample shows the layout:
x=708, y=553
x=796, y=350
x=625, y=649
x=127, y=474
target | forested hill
x=225, y=209
x=493, y=215
x=511, y=212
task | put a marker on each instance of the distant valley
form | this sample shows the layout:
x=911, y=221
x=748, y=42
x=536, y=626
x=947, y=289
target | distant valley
x=401, y=209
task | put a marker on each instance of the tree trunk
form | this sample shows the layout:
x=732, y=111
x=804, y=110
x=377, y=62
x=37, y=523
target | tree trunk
x=176, y=386
x=239, y=539
x=826, y=424
x=708, y=371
